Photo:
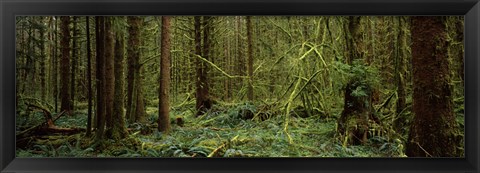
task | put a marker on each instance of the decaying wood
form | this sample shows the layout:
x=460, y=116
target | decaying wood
x=224, y=145
x=45, y=128
x=46, y=113
x=39, y=126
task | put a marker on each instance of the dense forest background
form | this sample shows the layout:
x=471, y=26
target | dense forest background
x=239, y=86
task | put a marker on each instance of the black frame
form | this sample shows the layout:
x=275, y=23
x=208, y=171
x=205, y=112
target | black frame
x=10, y=8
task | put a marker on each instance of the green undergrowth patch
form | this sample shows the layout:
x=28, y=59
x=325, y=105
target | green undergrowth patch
x=224, y=131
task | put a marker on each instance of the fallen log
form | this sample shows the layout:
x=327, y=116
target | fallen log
x=63, y=131
x=46, y=113
x=26, y=141
x=39, y=126
x=224, y=145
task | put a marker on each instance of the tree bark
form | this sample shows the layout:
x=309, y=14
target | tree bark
x=433, y=132
x=202, y=98
x=138, y=94
x=89, y=78
x=353, y=121
x=133, y=54
x=73, y=62
x=65, y=68
x=119, y=130
x=109, y=75
x=240, y=67
x=42, y=60
x=250, y=60
x=400, y=76
x=163, y=96
x=55, y=66
x=100, y=43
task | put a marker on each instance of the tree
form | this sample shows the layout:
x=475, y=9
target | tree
x=163, y=96
x=119, y=130
x=132, y=54
x=73, y=61
x=203, y=102
x=43, y=58
x=240, y=59
x=65, y=67
x=55, y=65
x=109, y=75
x=250, y=59
x=100, y=111
x=89, y=77
x=433, y=131
x=135, y=105
x=401, y=49
x=353, y=121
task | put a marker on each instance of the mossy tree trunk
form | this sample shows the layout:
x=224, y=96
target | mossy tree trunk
x=459, y=37
x=163, y=95
x=73, y=61
x=109, y=75
x=134, y=113
x=139, y=107
x=400, y=75
x=240, y=58
x=353, y=122
x=432, y=133
x=132, y=53
x=203, y=102
x=250, y=59
x=100, y=59
x=43, y=59
x=119, y=130
x=55, y=66
x=89, y=78
x=65, y=67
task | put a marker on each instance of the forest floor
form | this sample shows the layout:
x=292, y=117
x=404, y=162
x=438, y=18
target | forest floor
x=222, y=132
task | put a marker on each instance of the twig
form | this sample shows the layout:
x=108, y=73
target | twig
x=217, y=149
x=287, y=117
x=385, y=103
x=218, y=68
x=37, y=126
x=222, y=146
x=423, y=149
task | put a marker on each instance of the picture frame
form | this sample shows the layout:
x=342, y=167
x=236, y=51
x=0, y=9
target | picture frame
x=9, y=9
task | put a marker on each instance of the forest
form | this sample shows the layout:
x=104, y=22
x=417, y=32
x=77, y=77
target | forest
x=239, y=86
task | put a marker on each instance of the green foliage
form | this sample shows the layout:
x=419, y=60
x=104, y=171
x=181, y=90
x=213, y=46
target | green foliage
x=360, y=75
x=298, y=62
x=223, y=125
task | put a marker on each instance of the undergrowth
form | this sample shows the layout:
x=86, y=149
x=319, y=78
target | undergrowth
x=223, y=131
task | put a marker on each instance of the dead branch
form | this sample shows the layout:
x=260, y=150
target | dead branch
x=39, y=126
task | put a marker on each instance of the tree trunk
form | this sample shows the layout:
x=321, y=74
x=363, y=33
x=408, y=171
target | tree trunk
x=65, y=67
x=100, y=112
x=133, y=54
x=119, y=130
x=31, y=62
x=42, y=60
x=163, y=96
x=433, y=132
x=459, y=37
x=400, y=77
x=74, y=62
x=139, y=108
x=353, y=122
x=55, y=67
x=240, y=58
x=109, y=75
x=202, y=98
x=250, y=60
x=89, y=78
